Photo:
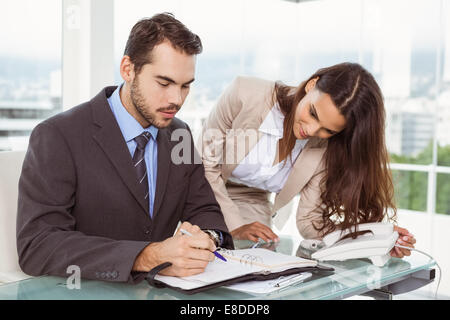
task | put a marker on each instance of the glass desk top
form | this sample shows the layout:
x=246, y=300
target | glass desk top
x=351, y=277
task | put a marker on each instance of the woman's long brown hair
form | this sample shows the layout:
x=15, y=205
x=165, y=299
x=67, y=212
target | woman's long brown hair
x=357, y=185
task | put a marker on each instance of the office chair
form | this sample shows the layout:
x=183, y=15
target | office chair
x=10, y=169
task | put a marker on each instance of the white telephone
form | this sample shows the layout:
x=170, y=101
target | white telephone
x=374, y=244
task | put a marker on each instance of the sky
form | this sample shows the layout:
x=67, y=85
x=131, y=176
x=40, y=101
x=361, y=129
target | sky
x=33, y=27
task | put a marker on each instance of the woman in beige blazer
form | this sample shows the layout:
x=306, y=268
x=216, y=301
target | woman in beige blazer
x=323, y=140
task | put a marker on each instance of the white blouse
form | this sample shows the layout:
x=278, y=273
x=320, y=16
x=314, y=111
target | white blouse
x=257, y=169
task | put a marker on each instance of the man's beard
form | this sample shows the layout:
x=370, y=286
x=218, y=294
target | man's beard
x=139, y=104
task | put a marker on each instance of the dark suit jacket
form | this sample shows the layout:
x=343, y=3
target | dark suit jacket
x=80, y=202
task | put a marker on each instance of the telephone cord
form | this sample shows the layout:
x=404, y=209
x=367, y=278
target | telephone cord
x=426, y=254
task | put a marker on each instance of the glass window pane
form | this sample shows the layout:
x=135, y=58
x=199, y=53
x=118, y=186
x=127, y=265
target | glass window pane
x=30, y=72
x=271, y=39
x=397, y=41
x=443, y=154
x=443, y=136
x=326, y=35
x=404, y=37
x=219, y=25
x=443, y=193
x=410, y=189
x=268, y=39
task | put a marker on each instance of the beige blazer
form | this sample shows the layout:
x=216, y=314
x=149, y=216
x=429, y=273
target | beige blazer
x=231, y=131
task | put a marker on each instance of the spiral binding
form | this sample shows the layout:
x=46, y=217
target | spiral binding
x=246, y=259
x=227, y=252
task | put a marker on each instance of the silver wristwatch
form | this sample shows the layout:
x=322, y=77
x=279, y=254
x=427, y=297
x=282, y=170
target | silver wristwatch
x=214, y=237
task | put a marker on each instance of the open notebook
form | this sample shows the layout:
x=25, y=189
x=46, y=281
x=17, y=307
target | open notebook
x=241, y=265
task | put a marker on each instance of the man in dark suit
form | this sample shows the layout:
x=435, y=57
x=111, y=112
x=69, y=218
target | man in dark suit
x=100, y=188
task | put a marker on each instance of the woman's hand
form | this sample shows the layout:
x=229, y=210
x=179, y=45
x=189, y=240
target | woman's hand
x=404, y=239
x=253, y=231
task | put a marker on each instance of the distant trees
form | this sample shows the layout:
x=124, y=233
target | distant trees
x=411, y=186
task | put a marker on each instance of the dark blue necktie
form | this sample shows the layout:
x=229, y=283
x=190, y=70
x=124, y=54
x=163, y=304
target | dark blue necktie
x=139, y=162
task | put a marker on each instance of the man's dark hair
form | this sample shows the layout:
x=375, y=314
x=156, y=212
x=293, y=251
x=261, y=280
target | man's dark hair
x=149, y=32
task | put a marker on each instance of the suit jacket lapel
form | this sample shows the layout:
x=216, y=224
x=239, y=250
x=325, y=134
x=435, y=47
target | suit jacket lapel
x=302, y=171
x=111, y=141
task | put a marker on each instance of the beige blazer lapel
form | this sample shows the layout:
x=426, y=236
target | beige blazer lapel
x=242, y=138
x=302, y=171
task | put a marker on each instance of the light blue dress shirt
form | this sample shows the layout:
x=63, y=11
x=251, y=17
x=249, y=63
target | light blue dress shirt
x=131, y=128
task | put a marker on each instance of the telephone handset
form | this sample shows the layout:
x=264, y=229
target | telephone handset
x=375, y=244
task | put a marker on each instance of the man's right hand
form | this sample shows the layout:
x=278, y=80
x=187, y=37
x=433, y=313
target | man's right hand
x=188, y=255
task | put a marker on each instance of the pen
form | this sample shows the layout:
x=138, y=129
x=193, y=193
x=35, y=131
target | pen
x=218, y=255
x=292, y=280
x=261, y=242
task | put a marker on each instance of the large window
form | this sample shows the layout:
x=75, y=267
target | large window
x=30, y=69
x=405, y=44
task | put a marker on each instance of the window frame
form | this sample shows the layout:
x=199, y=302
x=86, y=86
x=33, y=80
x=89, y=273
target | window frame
x=87, y=49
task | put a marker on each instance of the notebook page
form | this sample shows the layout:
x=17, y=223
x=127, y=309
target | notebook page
x=215, y=271
x=239, y=262
x=267, y=259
